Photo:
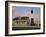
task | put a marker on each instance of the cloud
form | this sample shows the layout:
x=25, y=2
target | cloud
x=28, y=13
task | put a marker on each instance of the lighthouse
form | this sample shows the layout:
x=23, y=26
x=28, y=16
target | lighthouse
x=32, y=19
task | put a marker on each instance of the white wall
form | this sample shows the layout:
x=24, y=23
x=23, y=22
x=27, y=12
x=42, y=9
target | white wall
x=2, y=17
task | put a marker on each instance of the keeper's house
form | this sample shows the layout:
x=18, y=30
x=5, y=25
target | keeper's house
x=21, y=21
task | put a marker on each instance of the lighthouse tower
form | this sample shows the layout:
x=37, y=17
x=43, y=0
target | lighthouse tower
x=32, y=19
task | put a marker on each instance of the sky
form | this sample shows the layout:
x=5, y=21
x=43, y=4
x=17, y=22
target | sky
x=25, y=11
